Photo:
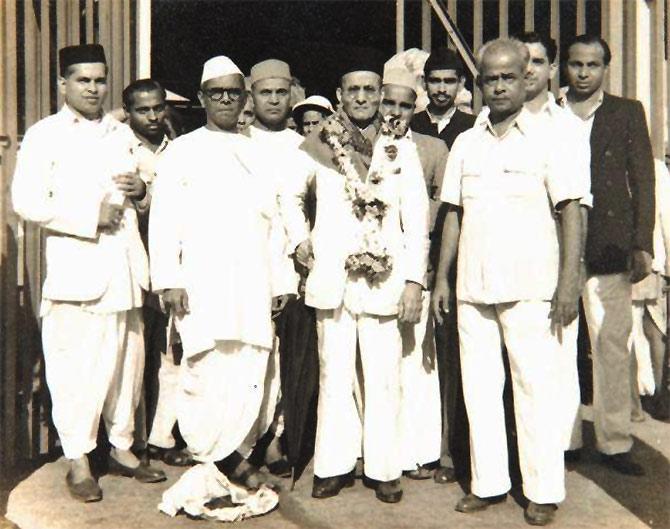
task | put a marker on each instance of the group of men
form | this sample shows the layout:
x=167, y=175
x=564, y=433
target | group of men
x=361, y=219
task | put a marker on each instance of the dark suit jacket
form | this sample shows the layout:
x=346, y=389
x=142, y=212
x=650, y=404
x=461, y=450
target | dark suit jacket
x=433, y=156
x=460, y=122
x=622, y=183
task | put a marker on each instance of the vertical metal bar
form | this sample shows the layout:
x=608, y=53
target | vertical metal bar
x=143, y=39
x=503, y=18
x=555, y=32
x=426, y=26
x=45, y=60
x=657, y=115
x=580, y=18
x=73, y=22
x=529, y=15
x=116, y=52
x=612, y=31
x=105, y=39
x=126, y=44
x=477, y=41
x=9, y=309
x=399, y=25
x=61, y=33
x=452, y=10
x=629, y=55
x=90, y=13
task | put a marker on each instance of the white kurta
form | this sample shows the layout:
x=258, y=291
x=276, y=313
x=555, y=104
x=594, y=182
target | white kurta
x=211, y=226
x=211, y=217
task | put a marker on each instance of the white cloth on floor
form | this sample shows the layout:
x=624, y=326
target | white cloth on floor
x=420, y=405
x=202, y=483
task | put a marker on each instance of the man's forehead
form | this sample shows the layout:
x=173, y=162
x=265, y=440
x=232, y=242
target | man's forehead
x=502, y=61
x=443, y=74
x=271, y=83
x=401, y=93
x=537, y=49
x=591, y=51
x=361, y=78
x=148, y=97
x=97, y=69
x=225, y=81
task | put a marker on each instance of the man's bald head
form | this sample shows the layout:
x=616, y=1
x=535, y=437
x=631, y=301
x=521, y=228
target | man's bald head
x=499, y=46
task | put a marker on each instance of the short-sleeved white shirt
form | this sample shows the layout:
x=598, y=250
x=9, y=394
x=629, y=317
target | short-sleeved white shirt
x=508, y=187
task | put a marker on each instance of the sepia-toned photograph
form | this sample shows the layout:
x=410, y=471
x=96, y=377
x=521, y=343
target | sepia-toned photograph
x=334, y=264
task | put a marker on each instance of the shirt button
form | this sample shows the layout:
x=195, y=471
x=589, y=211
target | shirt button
x=609, y=183
x=610, y=213
x=51, y=194
x=608, y=153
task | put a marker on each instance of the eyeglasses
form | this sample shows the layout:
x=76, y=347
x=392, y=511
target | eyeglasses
x=216, y=94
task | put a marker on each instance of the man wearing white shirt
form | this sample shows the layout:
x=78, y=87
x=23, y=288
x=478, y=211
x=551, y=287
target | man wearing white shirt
x=515, y=284
x=542, y=67
x=214, y=265
x=74, y=178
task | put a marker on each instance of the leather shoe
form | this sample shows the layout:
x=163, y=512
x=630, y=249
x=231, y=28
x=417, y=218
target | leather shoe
x=142, y=473
x=623, y=464
x=540, y=513
x=472, y=503
x=572, y=456
x=444, y=475
x=86, y=491
x=329, y=487
x=389, y=491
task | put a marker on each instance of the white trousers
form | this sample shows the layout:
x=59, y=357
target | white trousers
x=339, y=430
x=607, y=305
x=94, y=365
x=165, y=416
x=220, y=398
x=643, y=376
x=420, y=407
x=534, y=363
x=571, y=398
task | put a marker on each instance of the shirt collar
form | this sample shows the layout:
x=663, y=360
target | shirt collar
x=563, y=101
x=446, y=118
x=69, y=115
x=137, y=142
x=522, y=122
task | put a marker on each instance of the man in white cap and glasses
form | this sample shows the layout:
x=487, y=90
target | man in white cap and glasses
x=367, y=257
x=420, y=411
x=211, y=259
x=310, y=112
x=74, y=178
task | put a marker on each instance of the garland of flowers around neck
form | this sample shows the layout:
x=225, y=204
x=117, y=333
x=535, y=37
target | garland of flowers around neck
x=372, y=260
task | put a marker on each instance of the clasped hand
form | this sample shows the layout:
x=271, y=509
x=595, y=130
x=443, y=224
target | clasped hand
x=131, y=185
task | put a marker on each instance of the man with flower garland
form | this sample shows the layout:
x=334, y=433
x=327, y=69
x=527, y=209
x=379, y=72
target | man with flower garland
x=517, y=283
x=420, y=415
x=367, y=256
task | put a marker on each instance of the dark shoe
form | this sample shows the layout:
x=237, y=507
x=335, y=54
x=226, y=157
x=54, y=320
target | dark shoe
x=444, y=475
x=471, y=503
x=419, y=473
x=142, y=473
x=389, y=491
x=329, y=487
x=250, y=477
x=280, y=468
x=170, y=456
x=86, y=491
x=572, y=456
x=540, y=513
x=623, y=464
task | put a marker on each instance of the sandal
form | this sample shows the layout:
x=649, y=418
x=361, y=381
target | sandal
x=420, y=472
x=171, y=456
x=250, y=477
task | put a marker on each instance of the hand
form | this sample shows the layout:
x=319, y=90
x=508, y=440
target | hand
x=176, y=300
x=640, y=265
x=304, y=254
x=440, y=300
x=110, y=218
x=564, y=305
x=409, y=308
x=131, y=184
x=279, y=302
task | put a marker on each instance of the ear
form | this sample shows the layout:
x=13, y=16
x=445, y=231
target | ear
x=461, y=82
x=553, y=70
x=61, y=85
x=478, y=81
x=338, y=94
x=125, y=113
x=201, y=98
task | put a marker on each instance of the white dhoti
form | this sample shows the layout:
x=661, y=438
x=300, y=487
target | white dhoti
x=339, y=430
x=607, y=305
x=571, y=398
x=534, y=362
x=220, y=399
x=94, y=364
x=420, y=407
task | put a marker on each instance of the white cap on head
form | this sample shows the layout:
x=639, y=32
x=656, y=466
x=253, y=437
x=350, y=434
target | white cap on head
x=218, y=67
x=315, y=101
x=400, y=77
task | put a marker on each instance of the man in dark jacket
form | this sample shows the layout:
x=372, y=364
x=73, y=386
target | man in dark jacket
x=619, y=242
x=444, y=77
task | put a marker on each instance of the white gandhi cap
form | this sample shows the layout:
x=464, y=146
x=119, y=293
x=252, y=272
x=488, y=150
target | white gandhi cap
x=218, y=67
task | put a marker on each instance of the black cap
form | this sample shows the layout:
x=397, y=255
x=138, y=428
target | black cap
x=364, y=60
x=443, y=59
x=84, y=53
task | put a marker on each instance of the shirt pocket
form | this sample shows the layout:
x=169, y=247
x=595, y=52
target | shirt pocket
x=521, y=181
x=471, y=180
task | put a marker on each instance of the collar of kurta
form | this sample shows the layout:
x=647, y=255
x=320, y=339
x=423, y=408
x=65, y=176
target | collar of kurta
x=317, y=148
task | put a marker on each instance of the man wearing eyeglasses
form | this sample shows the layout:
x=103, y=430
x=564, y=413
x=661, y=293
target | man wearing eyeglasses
x=211, y=258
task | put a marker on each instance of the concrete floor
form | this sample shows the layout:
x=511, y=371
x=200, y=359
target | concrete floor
x=597, y=498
